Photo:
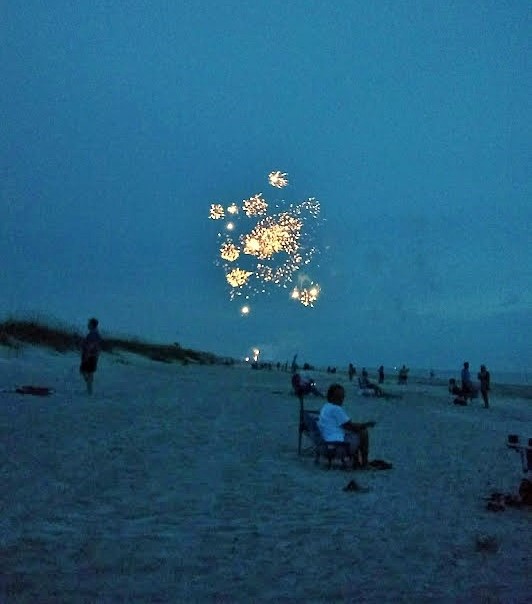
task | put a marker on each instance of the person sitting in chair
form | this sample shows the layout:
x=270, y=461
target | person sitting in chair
x=303, y=384
x=365, y=384
x=336, y=426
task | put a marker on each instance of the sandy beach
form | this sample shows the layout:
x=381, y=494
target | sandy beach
x=182, y=483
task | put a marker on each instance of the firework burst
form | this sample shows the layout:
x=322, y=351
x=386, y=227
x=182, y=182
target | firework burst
x=217, y=211
x=255, y=206
x=268, y=249
x=278, y=179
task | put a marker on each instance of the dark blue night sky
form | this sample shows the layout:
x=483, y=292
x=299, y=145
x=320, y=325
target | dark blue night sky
x=410, y=122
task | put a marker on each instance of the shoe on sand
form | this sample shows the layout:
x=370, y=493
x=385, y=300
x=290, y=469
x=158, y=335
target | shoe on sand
x=380, y=464
x=353, y=486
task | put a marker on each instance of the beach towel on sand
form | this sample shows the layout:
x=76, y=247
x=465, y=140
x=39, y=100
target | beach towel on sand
x=34, y=390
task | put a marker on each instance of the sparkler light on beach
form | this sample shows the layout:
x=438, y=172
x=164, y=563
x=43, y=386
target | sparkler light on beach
x=268, y=247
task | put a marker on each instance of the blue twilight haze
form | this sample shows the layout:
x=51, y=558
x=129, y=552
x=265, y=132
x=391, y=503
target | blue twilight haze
x=122, y=122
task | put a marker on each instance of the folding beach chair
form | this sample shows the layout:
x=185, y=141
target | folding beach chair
x=363, y=390
x=308, y=425
x=524, y=448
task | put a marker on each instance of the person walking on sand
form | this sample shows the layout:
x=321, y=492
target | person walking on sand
x=90, y=352
x=484, y=378
x=381, y=374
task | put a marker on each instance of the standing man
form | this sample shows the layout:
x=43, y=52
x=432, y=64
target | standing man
x=484, y=378
x=90, y=351
x=467, y=384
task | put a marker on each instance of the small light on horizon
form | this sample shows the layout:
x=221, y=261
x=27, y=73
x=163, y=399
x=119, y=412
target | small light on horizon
x=244, y=310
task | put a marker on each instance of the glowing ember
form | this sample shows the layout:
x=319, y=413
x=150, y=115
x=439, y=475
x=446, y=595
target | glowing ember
x=278, y=179
x=238, y=277
x=255, y=206
x=216, y=212
x=307, y=296
x=229, y=252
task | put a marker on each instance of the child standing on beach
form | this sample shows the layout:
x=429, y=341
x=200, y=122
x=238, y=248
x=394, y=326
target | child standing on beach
x=90, y=351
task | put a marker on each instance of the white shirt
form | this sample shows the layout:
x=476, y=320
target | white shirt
x=332, y=417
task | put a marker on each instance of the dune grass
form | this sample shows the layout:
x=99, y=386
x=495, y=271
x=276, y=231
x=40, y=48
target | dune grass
x=61, y=338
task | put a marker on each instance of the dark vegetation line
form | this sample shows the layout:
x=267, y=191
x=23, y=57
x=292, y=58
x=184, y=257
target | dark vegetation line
x=13, y=332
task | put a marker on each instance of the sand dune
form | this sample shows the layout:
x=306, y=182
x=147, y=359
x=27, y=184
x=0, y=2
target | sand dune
x=182, y=484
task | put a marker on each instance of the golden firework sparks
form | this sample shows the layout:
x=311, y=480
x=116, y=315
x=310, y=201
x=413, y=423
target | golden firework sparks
x=272, y=235
x=216, y=212
x=274, y=247
x=307, y=296
x=311, y=205
x=238, y=277
x=278, y=275
x=278, y=179
x=255, y=206
x=229, y=252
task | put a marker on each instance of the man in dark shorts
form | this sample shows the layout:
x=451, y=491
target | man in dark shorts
x=90, y=351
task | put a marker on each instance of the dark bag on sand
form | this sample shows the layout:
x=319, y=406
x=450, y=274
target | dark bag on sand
x=525, y=491
x=35, y=390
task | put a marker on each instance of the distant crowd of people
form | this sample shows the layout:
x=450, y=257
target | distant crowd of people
x=463, y=392
x=302, y=381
